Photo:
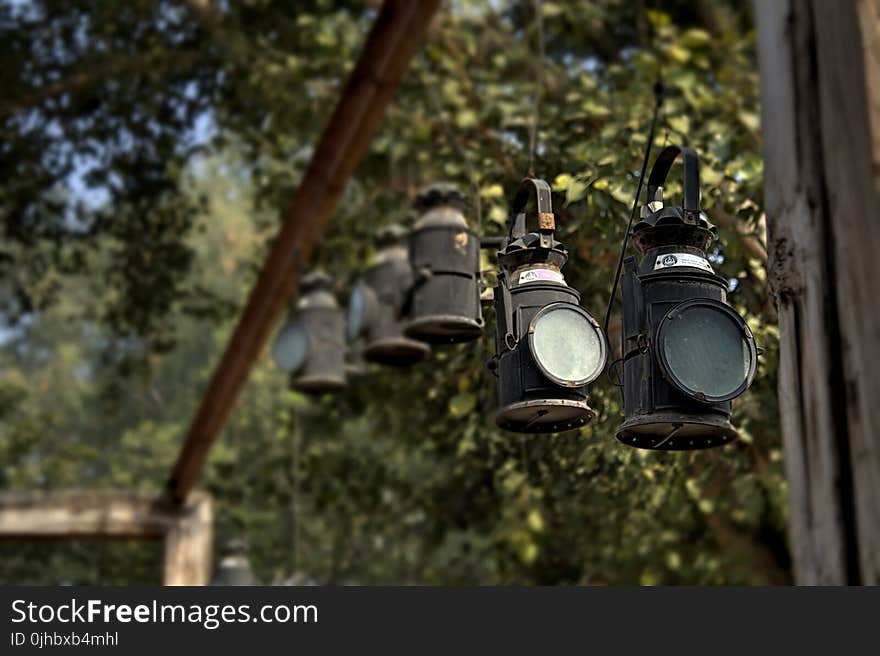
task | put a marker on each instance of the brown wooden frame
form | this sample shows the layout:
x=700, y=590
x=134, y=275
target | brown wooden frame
x=187, y=529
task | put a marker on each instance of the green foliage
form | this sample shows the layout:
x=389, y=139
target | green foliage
x=402, y=479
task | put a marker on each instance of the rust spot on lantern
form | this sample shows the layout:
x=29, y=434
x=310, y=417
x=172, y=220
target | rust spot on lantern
x=546, y=221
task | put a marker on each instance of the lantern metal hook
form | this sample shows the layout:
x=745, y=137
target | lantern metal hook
x=543, y=207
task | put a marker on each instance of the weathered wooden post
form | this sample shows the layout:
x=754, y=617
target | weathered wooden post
x=820, y=85
x=189, y=543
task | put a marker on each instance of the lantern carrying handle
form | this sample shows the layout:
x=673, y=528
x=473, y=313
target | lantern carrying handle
x=660, y=171
x=543, y=205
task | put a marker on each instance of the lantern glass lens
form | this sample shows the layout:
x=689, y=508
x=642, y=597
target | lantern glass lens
x=707, y=351
x=290, y=347
x=357, y=308
x=567, y=346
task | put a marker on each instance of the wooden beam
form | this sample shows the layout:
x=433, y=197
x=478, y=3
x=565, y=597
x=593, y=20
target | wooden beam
x=396, y=32
x=822, y=205
x=84, y=514
x=114, y=514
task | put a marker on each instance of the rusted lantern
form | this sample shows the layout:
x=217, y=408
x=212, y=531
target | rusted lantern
x=547, y=347
x=234, y=567
x=445, y=257
x=311, y=345
x=686, y=353
x=378, y=304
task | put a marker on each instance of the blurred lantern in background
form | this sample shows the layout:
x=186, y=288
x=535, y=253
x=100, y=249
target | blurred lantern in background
x=355, y=365
x=311, y=344
x=234, y=567
x=686, y=353
x=445, y=257
x=378, y=304
x=547, y=348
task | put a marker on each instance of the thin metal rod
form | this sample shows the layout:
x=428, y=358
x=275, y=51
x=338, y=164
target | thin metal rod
x=539, y=86
x=393, y=39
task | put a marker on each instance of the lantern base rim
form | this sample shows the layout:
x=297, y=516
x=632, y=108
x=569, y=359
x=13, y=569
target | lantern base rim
x=396, y=351
x=444, y=329
x=356, y=370
x=675, y=432
x=544, y=416
x=318, y=384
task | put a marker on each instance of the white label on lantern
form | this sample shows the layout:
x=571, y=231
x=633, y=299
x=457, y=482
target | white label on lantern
x=535, y=275
x=682, y=260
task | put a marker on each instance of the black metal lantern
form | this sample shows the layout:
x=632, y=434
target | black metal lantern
x=547, y=348
x=445, y=257
x=311, y=345
x=378, y=304
x=686, y=353
x=234, y=567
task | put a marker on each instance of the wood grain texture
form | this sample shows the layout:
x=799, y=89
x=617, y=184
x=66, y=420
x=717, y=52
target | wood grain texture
x=854, y=211
x=823, y=231
x=83, y=514
x=869, y=17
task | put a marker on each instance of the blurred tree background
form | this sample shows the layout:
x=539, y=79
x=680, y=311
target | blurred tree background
x=147, y=150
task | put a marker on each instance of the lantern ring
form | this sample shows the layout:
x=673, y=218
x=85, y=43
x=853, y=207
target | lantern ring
x=674, y=362
x=561, y=365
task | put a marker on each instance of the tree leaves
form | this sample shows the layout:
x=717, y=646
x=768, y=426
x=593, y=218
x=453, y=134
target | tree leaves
x=403, y=478
x=461, y=404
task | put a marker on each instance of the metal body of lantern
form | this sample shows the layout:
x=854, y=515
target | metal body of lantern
x=547, y=348
x=234, y=567
x=378, y=304
x=686, y=353
x=355, y=365
x=311, y=345
x=445, y=257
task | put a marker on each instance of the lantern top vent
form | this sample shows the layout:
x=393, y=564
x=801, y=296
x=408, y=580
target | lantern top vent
x=317, y=290
x=439, y=194
x=316, y=281
x=522, y=248
x=237, y=546
x=685, y=225
x=391, y=235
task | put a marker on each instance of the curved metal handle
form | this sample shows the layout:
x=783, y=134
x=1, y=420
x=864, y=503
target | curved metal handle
x=544, y=206
x=660, y=171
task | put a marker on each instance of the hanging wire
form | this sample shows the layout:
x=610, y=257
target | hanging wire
x=658, y=101
x=539, y=85
x=460, y=150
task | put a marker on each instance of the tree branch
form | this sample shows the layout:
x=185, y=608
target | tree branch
x=205, y=13
x=84, y=81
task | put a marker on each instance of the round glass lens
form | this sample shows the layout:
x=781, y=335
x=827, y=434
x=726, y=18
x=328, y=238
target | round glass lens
x=706, y=351
x=357, y=305
x=568, y=346
x=289, y=350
